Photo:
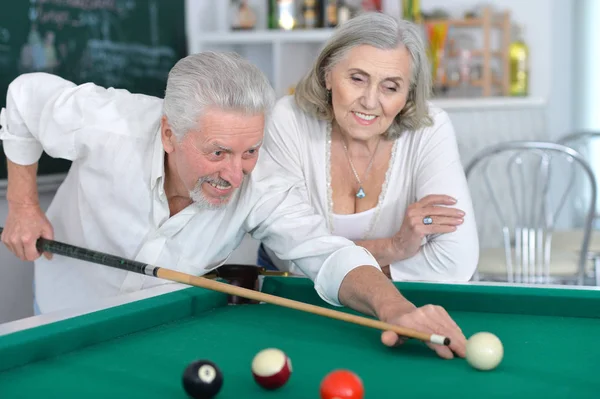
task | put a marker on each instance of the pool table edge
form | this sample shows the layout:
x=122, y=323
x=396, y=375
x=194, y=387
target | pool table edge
x=74, y=333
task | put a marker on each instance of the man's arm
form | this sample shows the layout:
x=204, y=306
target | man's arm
x=47, y=113
x=367, y=290
x=22, y=187
x=26, y=221
x=23, y=132
x=27, y=126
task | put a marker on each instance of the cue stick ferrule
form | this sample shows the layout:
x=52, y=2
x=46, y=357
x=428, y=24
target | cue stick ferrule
x=151, y=270
x=440, y=340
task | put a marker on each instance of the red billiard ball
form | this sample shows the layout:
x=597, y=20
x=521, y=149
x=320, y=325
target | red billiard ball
x=342, y=384
x=271, y=368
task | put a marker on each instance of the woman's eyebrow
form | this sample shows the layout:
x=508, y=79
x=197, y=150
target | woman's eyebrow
x=396, y=78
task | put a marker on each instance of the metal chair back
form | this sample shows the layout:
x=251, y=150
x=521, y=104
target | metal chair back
x=527, y=185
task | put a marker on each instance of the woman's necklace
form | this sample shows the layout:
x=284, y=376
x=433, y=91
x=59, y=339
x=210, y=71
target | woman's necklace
x=361, y=192
x=329, y=195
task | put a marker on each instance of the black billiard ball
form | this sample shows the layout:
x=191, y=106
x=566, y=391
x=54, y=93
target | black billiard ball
x=202, y=379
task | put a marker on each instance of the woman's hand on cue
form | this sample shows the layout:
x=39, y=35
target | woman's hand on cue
x=24, y=225
x=428, y=319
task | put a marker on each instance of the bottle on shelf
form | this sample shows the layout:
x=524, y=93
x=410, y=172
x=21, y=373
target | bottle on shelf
x=518, y=54
x=344, y=13
x=411, y=10
x=309, y=14
x=329, y=13
x=272, y=14
x=282, y=14
x=243, y=16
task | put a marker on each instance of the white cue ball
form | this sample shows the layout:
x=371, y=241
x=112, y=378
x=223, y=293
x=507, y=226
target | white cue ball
x=484, y=351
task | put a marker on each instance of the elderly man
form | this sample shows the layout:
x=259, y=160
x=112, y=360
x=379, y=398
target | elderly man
x=174, y=182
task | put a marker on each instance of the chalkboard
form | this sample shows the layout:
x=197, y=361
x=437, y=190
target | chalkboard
x=129, y=44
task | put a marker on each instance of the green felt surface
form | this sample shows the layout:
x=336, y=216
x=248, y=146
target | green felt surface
x=140, y=350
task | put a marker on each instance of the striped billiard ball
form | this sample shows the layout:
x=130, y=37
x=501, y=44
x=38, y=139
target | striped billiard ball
x=271, y=368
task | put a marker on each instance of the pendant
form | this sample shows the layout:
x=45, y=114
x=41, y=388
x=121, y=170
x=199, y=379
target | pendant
x=361, y=193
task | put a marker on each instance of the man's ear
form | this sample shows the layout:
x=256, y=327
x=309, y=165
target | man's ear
x=166, y=135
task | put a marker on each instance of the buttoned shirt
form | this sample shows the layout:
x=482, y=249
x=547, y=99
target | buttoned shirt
x=112, y=199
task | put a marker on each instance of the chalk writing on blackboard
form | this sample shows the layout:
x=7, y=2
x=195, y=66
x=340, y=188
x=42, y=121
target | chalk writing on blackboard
x=5, y=57
x=100, y=22
x=119, y=63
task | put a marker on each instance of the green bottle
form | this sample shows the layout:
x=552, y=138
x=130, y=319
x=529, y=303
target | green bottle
x=518, y=54
x=273, y=15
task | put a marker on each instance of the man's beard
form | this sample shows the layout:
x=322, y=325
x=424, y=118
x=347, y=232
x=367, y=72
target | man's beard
x=199, y=199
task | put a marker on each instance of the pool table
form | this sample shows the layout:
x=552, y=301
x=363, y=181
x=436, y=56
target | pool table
x=140, y=349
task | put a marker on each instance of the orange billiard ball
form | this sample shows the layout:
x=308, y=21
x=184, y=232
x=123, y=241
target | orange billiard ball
x=342, y=384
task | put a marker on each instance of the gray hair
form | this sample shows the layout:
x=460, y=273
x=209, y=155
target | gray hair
x=214, y=79
x=384, y=32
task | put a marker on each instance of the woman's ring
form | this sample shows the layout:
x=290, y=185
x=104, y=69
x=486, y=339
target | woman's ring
x=427, y=220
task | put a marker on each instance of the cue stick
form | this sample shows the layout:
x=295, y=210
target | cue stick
x=72, y=251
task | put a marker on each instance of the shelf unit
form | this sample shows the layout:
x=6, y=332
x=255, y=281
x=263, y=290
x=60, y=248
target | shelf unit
x=286, y=56
x=488, y=22
x=267, y=36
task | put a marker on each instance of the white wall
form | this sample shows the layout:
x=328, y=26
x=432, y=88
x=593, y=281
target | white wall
x=586, y=78
x=559, y=79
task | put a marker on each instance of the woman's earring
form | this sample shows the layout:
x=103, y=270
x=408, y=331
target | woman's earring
x=329, y=96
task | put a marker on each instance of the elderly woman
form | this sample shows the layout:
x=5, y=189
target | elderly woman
x=374, y=157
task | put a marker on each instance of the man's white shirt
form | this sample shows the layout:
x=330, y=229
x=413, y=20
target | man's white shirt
x=112, y=199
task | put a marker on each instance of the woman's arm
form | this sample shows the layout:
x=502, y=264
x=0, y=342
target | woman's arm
x=447, y=249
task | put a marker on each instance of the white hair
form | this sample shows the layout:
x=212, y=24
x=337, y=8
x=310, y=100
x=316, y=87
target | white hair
x=384, y=32
x=222, y=80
